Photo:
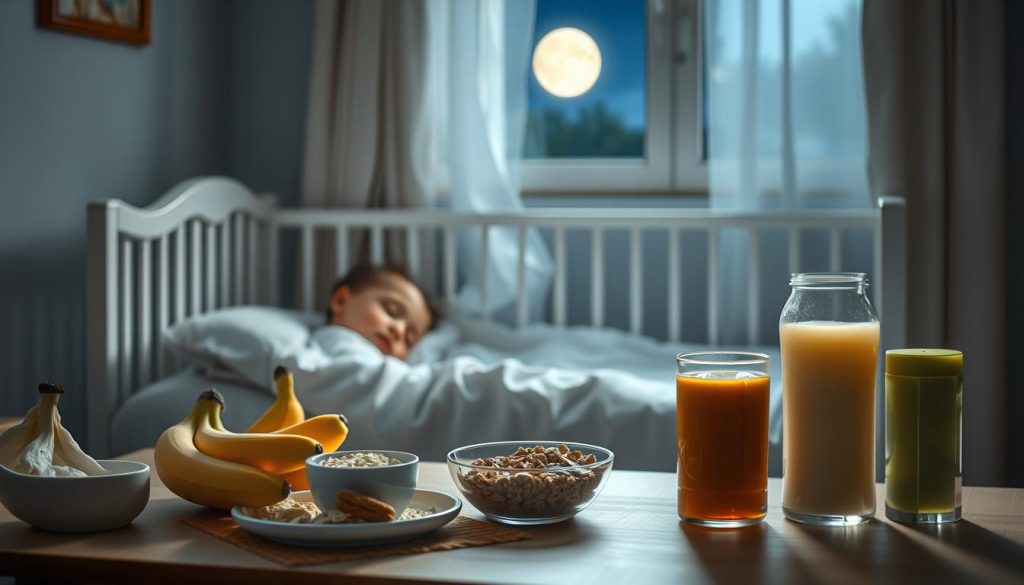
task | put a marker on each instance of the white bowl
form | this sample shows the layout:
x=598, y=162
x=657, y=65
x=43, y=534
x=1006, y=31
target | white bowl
x=78, y=504
x=394, y=484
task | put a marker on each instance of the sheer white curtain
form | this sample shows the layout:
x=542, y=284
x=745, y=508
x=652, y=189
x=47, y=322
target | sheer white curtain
x=483, y=50
x=785, y=121
x=410, y=98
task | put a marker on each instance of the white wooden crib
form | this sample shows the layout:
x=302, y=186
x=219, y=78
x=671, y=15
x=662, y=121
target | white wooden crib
x=211, y=243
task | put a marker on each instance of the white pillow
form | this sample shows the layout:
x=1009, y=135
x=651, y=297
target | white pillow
x=249, y=341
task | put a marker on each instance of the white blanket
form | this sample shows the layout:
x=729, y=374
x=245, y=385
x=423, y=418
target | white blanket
x=472, y=382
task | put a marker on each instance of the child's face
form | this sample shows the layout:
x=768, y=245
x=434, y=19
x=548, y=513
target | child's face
x=391, y=313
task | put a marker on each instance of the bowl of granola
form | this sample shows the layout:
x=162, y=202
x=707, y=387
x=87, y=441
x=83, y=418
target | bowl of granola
x=530, y=482
x=365, y=479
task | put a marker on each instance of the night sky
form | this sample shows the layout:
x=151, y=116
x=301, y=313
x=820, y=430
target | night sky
x=617, y=26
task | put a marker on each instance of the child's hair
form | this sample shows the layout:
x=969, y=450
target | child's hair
x=362, y=275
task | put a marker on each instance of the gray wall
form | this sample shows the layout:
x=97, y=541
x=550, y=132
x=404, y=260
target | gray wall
x=80, y=119
x=221, y=89
x=269, y=50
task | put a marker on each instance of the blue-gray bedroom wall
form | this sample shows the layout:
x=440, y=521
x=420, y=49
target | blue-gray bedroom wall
x=269, y=49
x=80, y=119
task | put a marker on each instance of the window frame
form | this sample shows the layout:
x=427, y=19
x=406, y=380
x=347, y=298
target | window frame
x=673, y=137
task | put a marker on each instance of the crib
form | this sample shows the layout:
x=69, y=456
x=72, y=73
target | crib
x=211, y=243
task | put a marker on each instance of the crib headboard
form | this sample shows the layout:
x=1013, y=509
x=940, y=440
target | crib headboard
x=211, y=243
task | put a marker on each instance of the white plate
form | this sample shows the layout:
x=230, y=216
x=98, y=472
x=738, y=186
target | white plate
x=340, y=535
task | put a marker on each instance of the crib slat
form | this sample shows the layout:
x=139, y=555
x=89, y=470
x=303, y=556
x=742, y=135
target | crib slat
x=636, y=293
x=250, y=256
x=521, y=298
x=485, y=256
x=449, y=262
x=412, y=251
x=835, y=249
x=377, y=244
x=162, y=293
x=794, y=250
x=211, y=266
x=560, y=276
x=237, y=288
x=341, y=249
x=142, y=364
x=273, y=270
x=597, y=277
x=307, y=268
x=195, y=280
x=674, y=320
x=754, y=288
x=179, y=274
x=225, y=261
x=127, y=325
x=713, y=243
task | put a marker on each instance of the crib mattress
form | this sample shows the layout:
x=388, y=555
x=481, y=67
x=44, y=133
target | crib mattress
x=139, y=422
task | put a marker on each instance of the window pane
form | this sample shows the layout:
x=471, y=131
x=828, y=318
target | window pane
x=569, y=117
x=826, y=84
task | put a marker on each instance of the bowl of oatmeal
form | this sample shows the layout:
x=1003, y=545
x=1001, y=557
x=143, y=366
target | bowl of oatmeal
x=388, y=476
x=530, y=482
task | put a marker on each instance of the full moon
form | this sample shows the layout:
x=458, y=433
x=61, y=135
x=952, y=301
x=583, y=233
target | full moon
x=567, y=62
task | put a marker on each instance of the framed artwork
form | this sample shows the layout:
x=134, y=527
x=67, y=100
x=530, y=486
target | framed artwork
x=126, y=21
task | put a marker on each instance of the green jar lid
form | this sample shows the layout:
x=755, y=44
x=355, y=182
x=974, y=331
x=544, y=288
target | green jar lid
x=924, y=362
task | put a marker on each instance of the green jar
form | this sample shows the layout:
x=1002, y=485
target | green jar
x=923, y=406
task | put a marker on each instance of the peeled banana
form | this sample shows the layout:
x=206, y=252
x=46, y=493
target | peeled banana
x=206, y=480
x=40, y=445
x=330, y=430
x=285, y=411
x=275, y=453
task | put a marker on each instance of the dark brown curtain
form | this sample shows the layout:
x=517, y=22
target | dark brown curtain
x=934, y=79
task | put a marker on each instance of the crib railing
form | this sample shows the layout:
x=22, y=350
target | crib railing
x=194, y=250
x=637, y=222
x=210, y=243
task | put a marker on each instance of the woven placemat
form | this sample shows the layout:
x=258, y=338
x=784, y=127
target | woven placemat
x=459, y=533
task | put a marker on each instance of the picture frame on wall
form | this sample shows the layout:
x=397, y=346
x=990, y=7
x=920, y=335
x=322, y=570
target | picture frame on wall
x=126, y=21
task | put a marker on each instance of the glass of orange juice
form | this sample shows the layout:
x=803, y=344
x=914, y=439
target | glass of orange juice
x=722, y=437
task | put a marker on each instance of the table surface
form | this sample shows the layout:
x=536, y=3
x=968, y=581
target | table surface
x=631, y=533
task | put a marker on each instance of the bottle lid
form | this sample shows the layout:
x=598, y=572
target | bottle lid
x=924, y=362
x=824, y=279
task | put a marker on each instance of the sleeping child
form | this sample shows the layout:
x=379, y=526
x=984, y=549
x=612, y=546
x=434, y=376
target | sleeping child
x=384, y=305
x=426, y=394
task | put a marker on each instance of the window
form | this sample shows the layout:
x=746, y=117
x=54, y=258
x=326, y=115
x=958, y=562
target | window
x=627, y=115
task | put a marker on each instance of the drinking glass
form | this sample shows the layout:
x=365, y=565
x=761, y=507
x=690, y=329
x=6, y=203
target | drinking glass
x=722, y=437
x=923, y=440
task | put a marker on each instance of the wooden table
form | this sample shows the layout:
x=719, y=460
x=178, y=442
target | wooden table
x=629, y=534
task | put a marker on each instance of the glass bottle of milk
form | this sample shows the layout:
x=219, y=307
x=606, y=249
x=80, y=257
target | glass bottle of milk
x=829, y=338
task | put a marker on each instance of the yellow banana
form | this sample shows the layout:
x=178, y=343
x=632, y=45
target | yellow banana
x=297, y=479
x=285, y=411
x=329, y=429
x=275, y=453
x=208, y=481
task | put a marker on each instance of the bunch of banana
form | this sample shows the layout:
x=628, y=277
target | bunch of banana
x=40, y=445
x=286, y=417
x=276, y=453
x=205, y=463
x=206, y=480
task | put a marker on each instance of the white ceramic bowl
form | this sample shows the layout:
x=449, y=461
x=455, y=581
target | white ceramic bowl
x=394, y=484
x=78, y=504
